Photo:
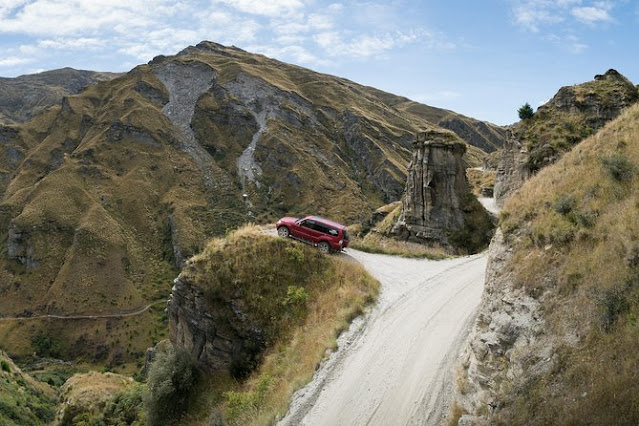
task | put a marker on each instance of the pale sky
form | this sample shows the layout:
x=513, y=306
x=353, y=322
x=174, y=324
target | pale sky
x=483, y=59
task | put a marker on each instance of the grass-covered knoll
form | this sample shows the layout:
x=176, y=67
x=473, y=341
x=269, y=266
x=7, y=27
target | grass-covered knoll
x=301, y=298
x=101, y=399
x=573, y=114
x=23, y=400
x=574, y=229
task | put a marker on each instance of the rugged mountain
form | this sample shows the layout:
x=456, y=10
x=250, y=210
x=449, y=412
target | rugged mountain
x=24, y=97
x=486, y=136
x=556, y=337
x=574, y=113
x=438, y=206
x=107, y=194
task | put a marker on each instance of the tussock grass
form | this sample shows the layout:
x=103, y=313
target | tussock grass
x=303, y=299
x=374, y=242
x=479, y=179
x=574, y=229
x=23, y=400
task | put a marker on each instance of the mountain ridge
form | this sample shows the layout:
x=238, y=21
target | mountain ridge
x=106, y=194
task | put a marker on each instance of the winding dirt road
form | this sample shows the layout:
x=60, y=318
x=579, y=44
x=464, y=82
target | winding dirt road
x=395, y=367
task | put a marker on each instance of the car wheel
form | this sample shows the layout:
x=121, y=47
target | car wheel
x=323, y=247
x=283, y=231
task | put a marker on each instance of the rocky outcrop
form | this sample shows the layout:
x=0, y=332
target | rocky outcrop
x=215, y=332
x=513, y=168
x=22, y=98
x=574, y=113
x=508, y=320
x=437, y=199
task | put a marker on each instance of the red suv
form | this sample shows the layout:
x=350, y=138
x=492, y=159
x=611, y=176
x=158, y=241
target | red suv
x=327, y=235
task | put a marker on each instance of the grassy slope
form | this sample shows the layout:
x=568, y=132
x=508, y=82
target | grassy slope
x=22, y=399
x=302, y=299
x=575, y=113
x=574, y=229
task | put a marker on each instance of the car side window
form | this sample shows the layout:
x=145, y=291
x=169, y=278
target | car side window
x=308, y=224
x=333, y=232
x=320, y=228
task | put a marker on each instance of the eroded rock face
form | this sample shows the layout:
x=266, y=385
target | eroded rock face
x=215, y=333
x=573, y=114
x=513, y=169
x=508, y=324
x=435, y=190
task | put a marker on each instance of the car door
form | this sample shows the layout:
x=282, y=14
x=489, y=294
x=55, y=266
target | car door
x=305, y=230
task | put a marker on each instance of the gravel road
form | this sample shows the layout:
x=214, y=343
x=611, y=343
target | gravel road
x=395, y=367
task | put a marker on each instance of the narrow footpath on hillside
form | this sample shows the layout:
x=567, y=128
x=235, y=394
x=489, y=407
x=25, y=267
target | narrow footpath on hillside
x=120, y=314
x=395, y=367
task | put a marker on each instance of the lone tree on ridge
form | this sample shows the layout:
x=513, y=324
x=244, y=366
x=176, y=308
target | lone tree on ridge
x=525, y=111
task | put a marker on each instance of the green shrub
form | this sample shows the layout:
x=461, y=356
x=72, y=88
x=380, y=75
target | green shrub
x=294, y=254
x=525, y=111
x=618, y=167
x=295, y=296
x=45, y=346
x=5, y=366
x=564, y=204
x=172, y=379
x=125, y=408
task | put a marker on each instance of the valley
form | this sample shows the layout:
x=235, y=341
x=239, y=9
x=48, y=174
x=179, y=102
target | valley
x=141, y=281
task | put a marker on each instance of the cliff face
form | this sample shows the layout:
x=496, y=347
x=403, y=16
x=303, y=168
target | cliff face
x=574, y=113
x=556, y=333
x=437, y=200
x=218, y=335
x=509, y=327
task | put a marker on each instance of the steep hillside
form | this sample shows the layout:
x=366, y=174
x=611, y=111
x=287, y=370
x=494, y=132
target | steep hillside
x=556, y=339
x=107, y=194
x=486, y=136
x=261, y=309
x=24, y=401
x=24, y=97
x=573, y=114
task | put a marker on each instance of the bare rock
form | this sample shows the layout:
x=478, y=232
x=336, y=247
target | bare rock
x=215, y=332
x=437, y=200
x=573, y=114
x=507, y=322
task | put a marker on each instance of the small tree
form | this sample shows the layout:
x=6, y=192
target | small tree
x=172, y=379
x=525, y=111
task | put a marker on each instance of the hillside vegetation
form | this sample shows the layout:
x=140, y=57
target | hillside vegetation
x=23, y=400
x=104, y=197
x=574, y=232
x=295, y=298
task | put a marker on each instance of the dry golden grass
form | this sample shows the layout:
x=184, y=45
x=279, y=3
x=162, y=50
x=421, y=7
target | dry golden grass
x=337, y=292
x=575, y=232
x=479, y=179
x=374, y=242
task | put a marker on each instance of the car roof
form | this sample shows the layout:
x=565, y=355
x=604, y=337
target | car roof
x=327, y=222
